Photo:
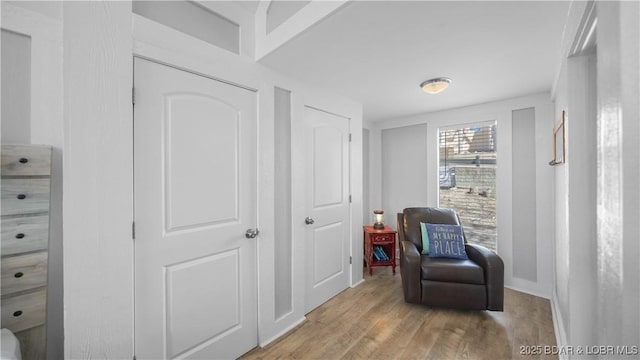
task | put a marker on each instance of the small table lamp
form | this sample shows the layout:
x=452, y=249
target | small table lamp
x=378, y=224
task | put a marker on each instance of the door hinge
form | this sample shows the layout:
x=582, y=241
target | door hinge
x=349, y=137
x=350, y=199
x=134, y=357
x=133, y=96
x=350, y=260
x=133, y=230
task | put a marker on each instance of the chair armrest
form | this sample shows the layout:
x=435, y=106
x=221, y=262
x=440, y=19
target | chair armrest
x=410, y=261
x=493, y=273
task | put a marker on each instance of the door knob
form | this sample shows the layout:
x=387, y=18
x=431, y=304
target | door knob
x=251, y=233
x=309, y=220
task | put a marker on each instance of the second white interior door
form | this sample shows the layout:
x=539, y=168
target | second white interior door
x=327, y=205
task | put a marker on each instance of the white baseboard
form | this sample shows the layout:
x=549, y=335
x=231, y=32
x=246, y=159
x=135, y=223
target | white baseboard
x=536, y=288
x=284, y=331
x=358, y=283
x=558, y=326
x=528, y=291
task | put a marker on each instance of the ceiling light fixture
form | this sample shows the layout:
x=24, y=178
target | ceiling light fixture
x=434, y=86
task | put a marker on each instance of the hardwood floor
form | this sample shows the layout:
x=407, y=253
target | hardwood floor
x=372, y=321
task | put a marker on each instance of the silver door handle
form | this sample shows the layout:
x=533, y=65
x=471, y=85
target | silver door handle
x=309, y=220
x=251, y=233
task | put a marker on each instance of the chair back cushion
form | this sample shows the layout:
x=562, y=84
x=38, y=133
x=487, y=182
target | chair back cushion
x=413, y=217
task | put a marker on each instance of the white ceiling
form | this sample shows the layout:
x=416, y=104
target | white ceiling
x=378, y=52
x=249, y=5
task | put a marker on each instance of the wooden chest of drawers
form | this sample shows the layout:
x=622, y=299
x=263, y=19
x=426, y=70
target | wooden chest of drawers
x=25, y=172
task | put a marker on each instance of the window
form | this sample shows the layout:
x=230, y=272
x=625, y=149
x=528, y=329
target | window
x=467, y=169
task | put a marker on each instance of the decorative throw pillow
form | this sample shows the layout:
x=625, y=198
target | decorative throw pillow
x=446, y=241
x=425, y=238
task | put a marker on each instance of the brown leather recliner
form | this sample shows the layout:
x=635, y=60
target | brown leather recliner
x=474, y=284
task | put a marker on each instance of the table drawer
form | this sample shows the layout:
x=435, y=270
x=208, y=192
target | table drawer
x=25, y=196
x=382, y=237
x=24, y=311
x=26, y=160
x=23, y=272
x=25, y=234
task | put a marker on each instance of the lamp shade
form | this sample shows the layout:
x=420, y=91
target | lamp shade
x=435, y=86
x=378, y=223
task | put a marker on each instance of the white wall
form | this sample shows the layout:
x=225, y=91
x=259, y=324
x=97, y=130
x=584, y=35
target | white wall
x=576, y=198
x=404, y=175
x=283, y=240
x=575, y=241
x=618, y=188
x=98, y=187
x=502, y=112
x=367, y=211
x=561, y=225
x=189, y=18
x=596, y=292
x=524, y=245
x=16, y=88
x=50, y=9
x=44, y=125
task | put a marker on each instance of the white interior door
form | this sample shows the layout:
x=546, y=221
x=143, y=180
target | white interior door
x=195, y=197
x=327, y=205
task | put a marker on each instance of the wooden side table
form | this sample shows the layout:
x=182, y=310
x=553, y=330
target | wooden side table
x=385, y=240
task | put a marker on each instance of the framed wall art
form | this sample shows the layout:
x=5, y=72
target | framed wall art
x=559, y=150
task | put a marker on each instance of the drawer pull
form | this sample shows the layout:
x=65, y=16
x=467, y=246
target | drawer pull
x=18, y=274
x=23, y=160
x=21, y=196
x=17, y=313
x=19, y=235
